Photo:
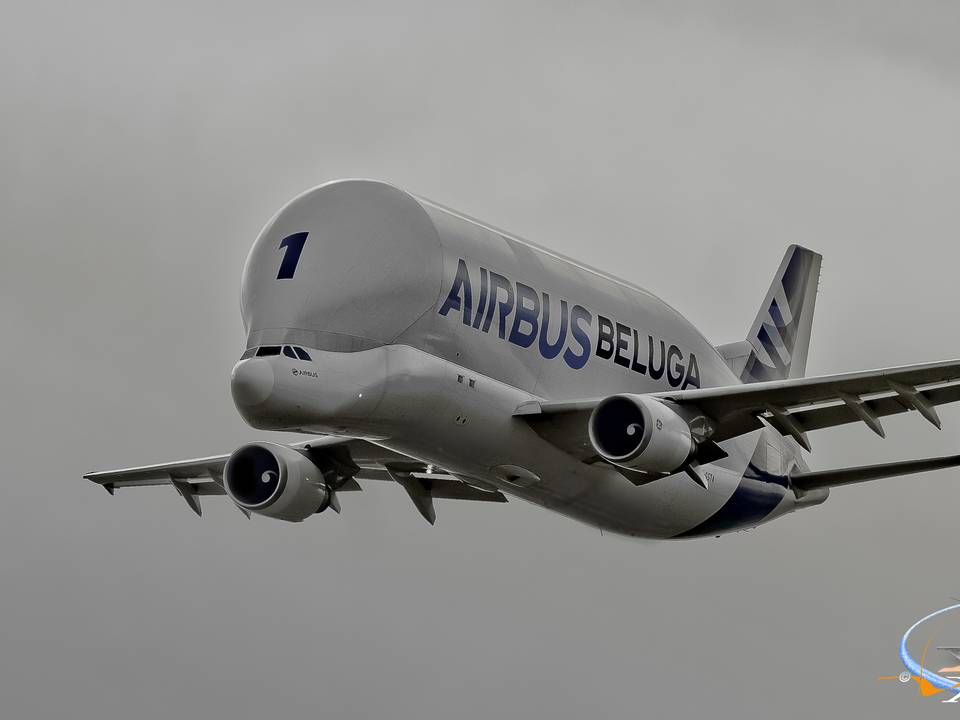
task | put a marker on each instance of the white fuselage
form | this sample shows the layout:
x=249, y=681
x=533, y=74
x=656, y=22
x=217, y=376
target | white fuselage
x=426, y=332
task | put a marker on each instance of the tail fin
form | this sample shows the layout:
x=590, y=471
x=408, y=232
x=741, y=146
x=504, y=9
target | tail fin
x=776, y=347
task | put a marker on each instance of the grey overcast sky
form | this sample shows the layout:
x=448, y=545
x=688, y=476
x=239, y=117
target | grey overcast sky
x=681, y=145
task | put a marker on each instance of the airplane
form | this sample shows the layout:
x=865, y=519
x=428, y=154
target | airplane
x=416, y=345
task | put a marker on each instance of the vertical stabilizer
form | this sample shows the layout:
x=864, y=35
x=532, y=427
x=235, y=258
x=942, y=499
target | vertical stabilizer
x=776, y=347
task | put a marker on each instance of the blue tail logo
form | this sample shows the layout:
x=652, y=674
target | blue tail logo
x=780, y=335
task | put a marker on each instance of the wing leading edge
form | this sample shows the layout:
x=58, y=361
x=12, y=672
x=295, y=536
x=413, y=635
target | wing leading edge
x=793, y=407
x=359, y=459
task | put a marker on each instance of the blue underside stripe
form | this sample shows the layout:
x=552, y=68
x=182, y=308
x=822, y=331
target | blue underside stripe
x=756, y=496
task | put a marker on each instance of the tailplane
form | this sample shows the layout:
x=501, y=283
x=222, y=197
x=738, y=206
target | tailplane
x=776, y=347
x=831, y=478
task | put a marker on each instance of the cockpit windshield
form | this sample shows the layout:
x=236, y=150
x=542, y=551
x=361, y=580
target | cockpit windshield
x=290, y=351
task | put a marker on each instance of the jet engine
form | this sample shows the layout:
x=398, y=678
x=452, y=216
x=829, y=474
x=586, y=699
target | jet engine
x=276, y=481
x=640, y=433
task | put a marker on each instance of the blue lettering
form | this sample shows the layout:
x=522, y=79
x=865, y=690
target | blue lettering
x=578, y=315
x=547, y=349
x=623, y=341
x=656, y=372
x=483, y=298
x=674, y=365
x=497, y=283
x=461, y=283
x=635, y=363
x=693, y=373
x=604, y=337
x=531, y=324
x=526, y=313
x=292, y=246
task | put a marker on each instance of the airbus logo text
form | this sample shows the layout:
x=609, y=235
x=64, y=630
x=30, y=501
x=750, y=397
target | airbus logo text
x=527, y=317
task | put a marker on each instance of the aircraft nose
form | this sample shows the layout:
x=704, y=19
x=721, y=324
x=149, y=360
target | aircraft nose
x=251, y=381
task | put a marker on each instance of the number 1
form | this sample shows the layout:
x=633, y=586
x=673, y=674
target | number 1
x=292, y=246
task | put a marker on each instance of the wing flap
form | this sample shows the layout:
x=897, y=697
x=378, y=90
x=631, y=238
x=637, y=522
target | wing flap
x=208, y=488
x=452, y=489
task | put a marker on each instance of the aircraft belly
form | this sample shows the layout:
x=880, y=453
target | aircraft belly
x=449, y=415
x=471, y=432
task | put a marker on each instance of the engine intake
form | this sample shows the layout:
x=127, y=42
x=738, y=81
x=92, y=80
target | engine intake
x=276, y=481
x=640, y=433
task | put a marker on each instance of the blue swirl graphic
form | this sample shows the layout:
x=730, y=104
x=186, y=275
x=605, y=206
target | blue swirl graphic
x=916, y=668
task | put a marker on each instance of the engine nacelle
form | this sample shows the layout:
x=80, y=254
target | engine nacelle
x=276, y=481
x=640, y=433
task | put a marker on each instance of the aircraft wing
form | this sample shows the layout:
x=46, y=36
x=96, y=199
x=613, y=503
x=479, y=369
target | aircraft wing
x=354, y=459
x=791, y=406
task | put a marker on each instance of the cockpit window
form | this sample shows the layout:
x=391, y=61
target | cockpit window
x=267, y=350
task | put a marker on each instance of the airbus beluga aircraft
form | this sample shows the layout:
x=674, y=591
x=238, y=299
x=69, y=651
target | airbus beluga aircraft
x=416, y=345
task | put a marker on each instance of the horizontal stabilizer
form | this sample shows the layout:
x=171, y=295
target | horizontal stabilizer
x=846, y=476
